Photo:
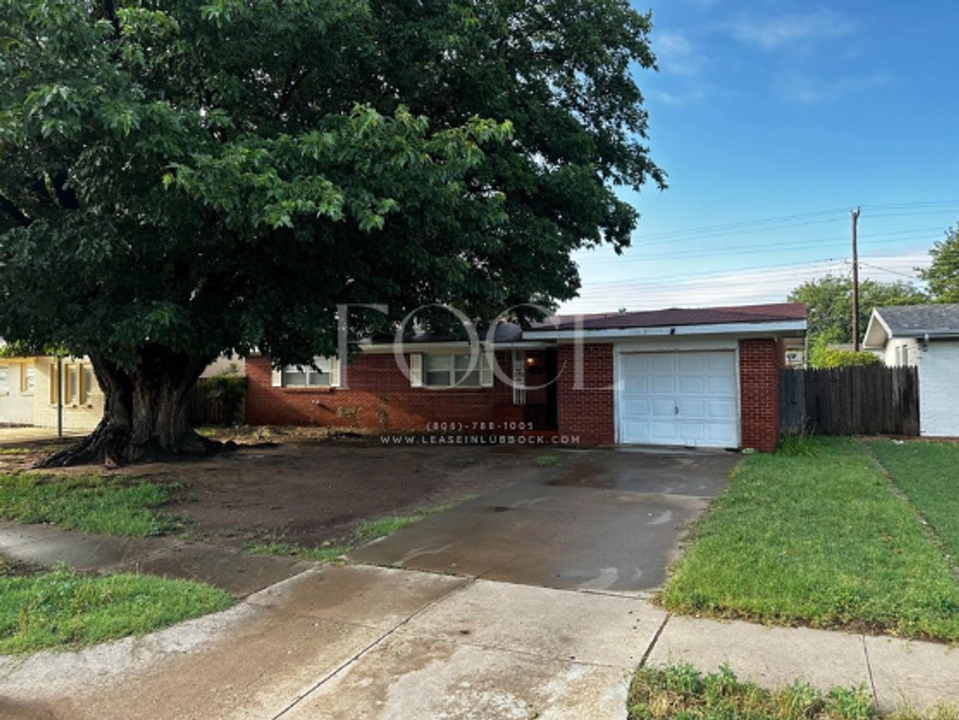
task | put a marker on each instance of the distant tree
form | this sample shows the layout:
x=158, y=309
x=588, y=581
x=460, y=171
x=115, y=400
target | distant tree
x=829, y=304
x=943, y=274
x=184, y=178
x=823, y=353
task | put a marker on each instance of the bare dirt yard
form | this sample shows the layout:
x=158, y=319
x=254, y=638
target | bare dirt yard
x=307, y=490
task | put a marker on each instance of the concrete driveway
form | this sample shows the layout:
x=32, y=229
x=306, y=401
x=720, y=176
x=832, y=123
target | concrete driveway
x=611, y=521
x=473, y=638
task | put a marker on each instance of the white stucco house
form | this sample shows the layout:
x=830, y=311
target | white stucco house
x=926, y=337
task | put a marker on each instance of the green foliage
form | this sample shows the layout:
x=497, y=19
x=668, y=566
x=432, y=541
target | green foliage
x=547, y=460
x=823, y=355
x=829, y=304
x=216, y=176
x=229, y=387
x=63, y=609
x=681, y=691
x=943, y=274
x=93, y=504
x=819, y=539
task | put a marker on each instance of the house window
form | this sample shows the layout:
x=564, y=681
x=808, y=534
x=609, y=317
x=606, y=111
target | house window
x=4, y=380
x=324, y=374
x=905, y=356
x=445, y=370
x=73, y=385
x=87, y=385
x=28, y=378
x=54, y=384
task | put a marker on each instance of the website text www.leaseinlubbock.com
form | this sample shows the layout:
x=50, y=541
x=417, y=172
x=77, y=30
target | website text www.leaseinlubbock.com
x=478, y=440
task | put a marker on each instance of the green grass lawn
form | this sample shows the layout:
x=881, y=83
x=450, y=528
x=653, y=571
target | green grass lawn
x=818, y=539
x=928, y=474
x=93, y=504
x=61, y=609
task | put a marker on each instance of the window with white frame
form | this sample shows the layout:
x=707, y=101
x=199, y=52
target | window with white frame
x=450, y=369
x=325, y=372
x=28, y=378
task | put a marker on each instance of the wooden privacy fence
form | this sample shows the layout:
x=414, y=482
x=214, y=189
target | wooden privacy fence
x=872, y=400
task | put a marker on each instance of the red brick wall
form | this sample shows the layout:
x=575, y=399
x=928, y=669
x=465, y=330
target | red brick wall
x=586, y=412
x=379, y=397
x=759, y=364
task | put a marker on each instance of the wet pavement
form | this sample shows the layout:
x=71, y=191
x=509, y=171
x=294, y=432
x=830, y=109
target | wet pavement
x=612, y=521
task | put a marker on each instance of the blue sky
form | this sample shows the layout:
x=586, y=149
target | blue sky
x=775, y=118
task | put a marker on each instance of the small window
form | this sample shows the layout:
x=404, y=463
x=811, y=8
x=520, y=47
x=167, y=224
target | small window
x=28, y=378
x=905, y=355
x=452, y=370
x=88, y=385
x=306, y=376
x=54, y=384
x=73, y=385
x=4, y=380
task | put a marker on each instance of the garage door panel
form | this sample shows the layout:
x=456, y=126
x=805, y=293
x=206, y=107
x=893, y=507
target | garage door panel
x=665, y=433
x=721, y=411
x=690, y=362
x=635, y=362
x=679, y=398
x=718, y=385
x=663, y=408
x=661, y=362
x=724, y=362
x=690, y=385
x=662, y=384
x=691, y=409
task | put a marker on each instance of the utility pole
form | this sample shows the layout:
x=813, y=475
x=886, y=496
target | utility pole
x=855, y=283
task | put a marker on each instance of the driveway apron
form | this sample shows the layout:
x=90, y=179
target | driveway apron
x=612, y=520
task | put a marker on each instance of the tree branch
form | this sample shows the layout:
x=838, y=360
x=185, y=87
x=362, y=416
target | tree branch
x=65, y=196
x=288, y=91
x=14, y=212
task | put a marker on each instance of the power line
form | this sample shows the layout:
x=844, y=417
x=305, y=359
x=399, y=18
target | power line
x=767, y=247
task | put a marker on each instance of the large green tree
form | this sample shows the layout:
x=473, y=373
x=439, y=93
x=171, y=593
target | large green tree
x=181, y=178
x=943, y=274
x=829, y=304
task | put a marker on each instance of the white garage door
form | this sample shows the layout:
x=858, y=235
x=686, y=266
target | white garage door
x=681, y=398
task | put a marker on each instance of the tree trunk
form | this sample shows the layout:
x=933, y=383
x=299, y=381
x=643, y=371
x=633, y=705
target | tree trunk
x=144, y=416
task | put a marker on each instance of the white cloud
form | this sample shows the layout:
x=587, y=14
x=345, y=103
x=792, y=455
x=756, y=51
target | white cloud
x=783, y=31
x=735, y=287
x=809, y=90
x=676, y=54
x=680, y=99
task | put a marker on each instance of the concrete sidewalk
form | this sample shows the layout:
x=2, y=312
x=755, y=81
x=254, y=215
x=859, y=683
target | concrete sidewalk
x=236, y=572
x=343, y=642
x=355, y=641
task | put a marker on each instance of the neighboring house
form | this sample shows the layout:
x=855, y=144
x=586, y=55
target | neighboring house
x=30, y=388
x=926, y=337
x=684, y=377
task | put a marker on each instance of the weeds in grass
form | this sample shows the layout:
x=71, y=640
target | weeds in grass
x=363, y=533
x=92, y=504
x=65, y=609
x=544, y=461
x=797, y=445
x=681, y=691
x=15, y=451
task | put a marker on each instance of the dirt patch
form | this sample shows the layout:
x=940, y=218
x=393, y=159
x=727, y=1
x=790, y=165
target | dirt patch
x=304, y=490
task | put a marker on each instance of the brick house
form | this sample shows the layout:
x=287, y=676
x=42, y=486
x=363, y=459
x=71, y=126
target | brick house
x=684, y=377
